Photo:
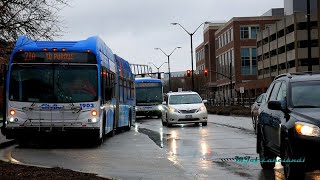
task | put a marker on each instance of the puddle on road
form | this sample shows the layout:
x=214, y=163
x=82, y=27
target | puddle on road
x=156, y=137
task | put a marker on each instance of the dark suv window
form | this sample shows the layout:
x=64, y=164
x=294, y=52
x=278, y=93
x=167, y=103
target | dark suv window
x=275, y=91
x=305, y=94
x=282, y=92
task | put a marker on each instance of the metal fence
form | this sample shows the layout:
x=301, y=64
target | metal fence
x=246, y=102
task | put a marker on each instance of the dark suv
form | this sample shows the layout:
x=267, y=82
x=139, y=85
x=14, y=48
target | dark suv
x=288, y=125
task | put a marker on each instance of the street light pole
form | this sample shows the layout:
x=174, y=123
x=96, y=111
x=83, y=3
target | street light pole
x=191, y=34
x=158, y=68
x=168, y=55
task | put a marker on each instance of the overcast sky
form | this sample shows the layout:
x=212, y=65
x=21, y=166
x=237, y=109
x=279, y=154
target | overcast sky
x=133, y=28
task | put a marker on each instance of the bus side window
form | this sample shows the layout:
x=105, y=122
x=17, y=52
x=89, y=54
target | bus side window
x=103, y=83
x=108, y=90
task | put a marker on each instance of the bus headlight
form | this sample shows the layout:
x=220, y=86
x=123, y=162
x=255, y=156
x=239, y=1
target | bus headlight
x=11, y=120
x=93, y=120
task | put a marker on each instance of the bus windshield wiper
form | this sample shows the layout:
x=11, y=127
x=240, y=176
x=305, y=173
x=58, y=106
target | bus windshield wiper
x=63, y=93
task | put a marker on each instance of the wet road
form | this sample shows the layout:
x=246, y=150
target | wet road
x=150, y=151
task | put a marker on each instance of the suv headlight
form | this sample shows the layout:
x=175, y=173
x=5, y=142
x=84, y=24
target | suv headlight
x=202, y=108
x=307, y=129
x=174, y=110
x=160, y=107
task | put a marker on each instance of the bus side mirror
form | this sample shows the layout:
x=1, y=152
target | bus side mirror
x=164, y=103
x=205, y=101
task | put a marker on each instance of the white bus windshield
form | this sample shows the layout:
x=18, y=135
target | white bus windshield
x=53, y=83
x=149, y=94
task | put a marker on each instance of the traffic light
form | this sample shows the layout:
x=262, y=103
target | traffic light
x=159, y=75
x=188, y=73
x=205, y=72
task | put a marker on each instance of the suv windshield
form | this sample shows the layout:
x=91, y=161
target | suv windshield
x=185, y=99
x=53, y=84
x=306, y=94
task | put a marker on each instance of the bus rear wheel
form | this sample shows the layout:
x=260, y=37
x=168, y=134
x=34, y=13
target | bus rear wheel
x=129, y=124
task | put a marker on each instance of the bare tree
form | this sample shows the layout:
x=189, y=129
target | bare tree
x=33, y=18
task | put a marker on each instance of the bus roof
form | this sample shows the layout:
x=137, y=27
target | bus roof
x=124, y=69
x=94, y=44
x=147, y=79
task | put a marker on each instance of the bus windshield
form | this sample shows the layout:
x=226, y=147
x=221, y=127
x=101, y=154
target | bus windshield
x=149, y=95
x=53, y=83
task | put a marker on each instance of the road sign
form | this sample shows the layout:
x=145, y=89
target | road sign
x=241, y=90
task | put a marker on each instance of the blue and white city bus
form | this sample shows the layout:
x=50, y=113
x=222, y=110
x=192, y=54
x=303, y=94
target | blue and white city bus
x=149, y=97
x=126, y=94
x=63, y=87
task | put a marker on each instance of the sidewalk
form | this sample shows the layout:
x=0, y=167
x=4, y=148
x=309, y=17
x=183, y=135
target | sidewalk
x=232, y=121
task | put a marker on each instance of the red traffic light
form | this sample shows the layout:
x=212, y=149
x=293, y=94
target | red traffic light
x=205, y=72
x=188, y=73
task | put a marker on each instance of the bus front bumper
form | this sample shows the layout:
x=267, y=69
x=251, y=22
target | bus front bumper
x=22, y=132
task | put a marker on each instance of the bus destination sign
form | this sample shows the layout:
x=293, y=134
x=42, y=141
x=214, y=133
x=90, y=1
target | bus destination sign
x=149, y=84
x=49, y=57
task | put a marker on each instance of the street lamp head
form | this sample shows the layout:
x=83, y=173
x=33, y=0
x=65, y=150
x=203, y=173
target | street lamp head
x=179, y=47
x=174, y=23
x=156, y=48
x=206, y=22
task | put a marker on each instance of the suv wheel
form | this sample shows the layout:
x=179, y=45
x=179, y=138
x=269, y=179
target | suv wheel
x=265, y=154
x=292, y=170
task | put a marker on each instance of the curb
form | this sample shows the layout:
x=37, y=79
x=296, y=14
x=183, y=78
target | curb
x=7, y=144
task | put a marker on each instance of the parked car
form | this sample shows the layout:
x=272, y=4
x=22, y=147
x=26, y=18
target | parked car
x=254, y=110
x=184, y=107
x=288, y=125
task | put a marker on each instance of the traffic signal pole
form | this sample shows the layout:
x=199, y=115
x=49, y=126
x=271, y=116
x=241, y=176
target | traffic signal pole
x=228, y=77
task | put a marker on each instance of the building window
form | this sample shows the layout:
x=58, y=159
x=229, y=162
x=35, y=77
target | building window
x=304, y=43
x=291, y=64
x=249, y=32
x=244, y=32
x=245, y=61
x=254, y=32
x=231, y=34
x=248, y=61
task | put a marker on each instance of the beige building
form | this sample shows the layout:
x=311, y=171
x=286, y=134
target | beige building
x=283, y=47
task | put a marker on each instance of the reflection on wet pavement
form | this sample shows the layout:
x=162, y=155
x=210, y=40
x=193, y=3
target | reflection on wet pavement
x=199, y=151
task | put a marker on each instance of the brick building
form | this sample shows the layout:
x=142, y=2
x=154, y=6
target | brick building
x=236, y=54
x=205, y=55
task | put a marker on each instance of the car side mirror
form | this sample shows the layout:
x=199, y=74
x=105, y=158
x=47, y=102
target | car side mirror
x=164, y=103
x=205, y=101
x=274, y=105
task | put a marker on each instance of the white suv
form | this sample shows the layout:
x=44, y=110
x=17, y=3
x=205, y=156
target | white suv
x=184, y=107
